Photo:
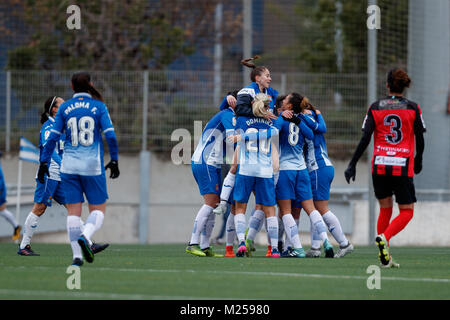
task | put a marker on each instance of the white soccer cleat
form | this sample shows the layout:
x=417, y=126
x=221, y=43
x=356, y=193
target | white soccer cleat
x=343, y=251
x=221, y=208
x=313, y=253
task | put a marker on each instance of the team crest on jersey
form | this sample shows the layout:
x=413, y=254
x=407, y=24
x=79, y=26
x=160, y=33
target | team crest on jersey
x=46, y=134
x=234, y=121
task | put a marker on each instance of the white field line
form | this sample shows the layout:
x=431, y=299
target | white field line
x=95, y=295
x=251, y=273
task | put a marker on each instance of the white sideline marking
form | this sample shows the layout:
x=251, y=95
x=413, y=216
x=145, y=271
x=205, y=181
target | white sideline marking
x=98, y=295
x=261, y=273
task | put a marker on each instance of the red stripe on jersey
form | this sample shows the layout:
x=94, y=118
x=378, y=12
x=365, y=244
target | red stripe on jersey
x=396, y=171
x=381, y=169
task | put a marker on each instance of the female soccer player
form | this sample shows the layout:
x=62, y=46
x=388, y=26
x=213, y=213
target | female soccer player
x=52, y=188
x=321, y=172
x=255, y=171
x=394, y=121
x=5, y=213
x=293, y=182
x=260, y=77
x=206, y=167
x=83, y=119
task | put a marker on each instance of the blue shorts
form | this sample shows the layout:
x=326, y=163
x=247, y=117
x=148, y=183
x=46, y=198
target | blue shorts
x=264, y=190
x=93, y=187
x=294, y=184
x=51, y=189
x=321, y=182
x=208, y=178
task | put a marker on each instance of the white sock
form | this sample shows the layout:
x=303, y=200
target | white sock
x=199, y=223
x=9, y=217
x=316, y=242
x=74, y=232
x=335, y=228
x=30, y=226
x=239, y=223
x=227, y=186
x=291, y=230
x=319, y=225
x=93, y=224
x=207, y=231
x=272, y=230
x=230, y=230
x=255, y=224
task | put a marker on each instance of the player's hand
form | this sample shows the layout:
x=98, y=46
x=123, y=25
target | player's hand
x=350, y=173
x=307, y=111
x=270, y=116
x=234, y=138
x=231, y=100
x=287, y=114
x=43, y=169
x=417, y=165
x=113, y=165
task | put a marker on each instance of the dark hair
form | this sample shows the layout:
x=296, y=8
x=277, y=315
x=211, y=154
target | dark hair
x=49, y=103
x=257, y=70
x=398, y=80
x=296, y=100
x=81, y=82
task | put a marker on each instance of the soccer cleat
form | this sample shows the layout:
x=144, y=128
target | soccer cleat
x=221, y=208
x=77, y=262
x=275, y=253
x=86, y=249
x=391, y=264
x=383, y=246
x=241, y=251
x=97, y=247
x=16, y=233
x=286, y=253
x=249, y=246
x=343, y=251
x=329, y=253
x=27, y=251
x=195, y=250
x=313, y=253
x=229, y=252
x=269, y=251
x=209, y=252
x=298, y=253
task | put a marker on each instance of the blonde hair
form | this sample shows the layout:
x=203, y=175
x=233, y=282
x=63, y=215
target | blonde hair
x=260, y=105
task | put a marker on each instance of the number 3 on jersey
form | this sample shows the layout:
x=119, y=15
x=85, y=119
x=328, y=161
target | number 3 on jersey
x=395, y=124
x=82, y=131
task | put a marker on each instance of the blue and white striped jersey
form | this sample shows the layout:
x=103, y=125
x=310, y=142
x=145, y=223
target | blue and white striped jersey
x=317, y=154
x=210, y=148
x=291, y=141
x=83, y=119
x=255, y=155
x=55, y=162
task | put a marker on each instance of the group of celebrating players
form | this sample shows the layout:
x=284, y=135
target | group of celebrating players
x=280, y=155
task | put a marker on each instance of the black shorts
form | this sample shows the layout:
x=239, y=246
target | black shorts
x=401, y=187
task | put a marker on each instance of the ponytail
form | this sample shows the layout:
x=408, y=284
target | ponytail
x=49, y=103
x=260, y=105
x=81, y=82
x=256, y=70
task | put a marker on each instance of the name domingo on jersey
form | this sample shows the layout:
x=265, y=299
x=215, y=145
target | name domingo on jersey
x=77, y=105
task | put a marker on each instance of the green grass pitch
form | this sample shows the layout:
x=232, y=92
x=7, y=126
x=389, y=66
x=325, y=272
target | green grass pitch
x=166, y=272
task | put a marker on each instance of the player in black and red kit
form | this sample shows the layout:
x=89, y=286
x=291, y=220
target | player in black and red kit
x=397, y=125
